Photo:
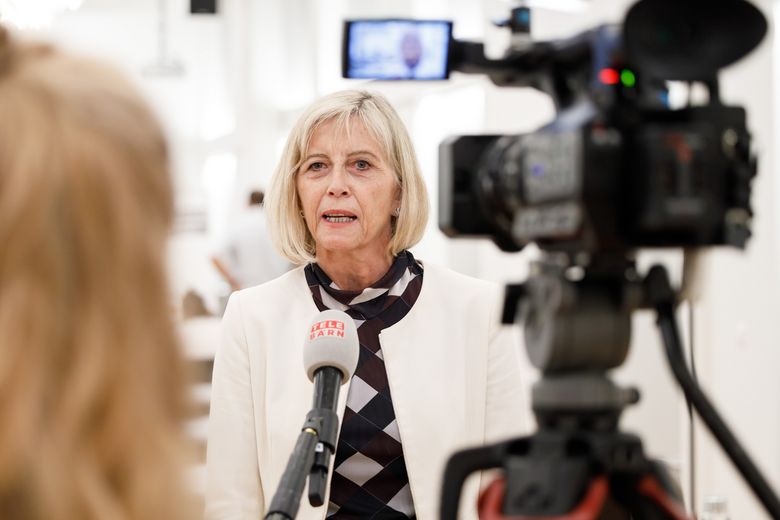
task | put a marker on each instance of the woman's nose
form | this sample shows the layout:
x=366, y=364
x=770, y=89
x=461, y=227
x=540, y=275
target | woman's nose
x=339, y=182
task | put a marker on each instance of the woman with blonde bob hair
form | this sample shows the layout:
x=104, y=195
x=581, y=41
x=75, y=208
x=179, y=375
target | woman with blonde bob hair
x=291, y=236
x=434, y=373
x=91, y=382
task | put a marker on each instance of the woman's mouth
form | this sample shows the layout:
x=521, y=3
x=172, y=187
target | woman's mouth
x=338, y=217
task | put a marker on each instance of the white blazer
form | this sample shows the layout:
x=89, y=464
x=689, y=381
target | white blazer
x=454, y=377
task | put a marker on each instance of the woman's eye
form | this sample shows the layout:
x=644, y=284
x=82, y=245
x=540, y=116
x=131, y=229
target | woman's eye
x=317, y=166
x=362, y=165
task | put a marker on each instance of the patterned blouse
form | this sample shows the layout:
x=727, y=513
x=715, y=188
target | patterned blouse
x=369, y=476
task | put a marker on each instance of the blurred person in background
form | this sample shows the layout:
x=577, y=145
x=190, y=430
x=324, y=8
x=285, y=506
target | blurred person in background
x=91, y=380
x=247, y=257
x=436, y=370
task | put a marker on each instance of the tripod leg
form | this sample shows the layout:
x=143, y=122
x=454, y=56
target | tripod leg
x=651, y=488
x=661, y=296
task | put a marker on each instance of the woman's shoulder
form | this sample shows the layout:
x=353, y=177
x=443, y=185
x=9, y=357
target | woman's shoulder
x=441, y=276
x=283, y=286
x=282, y=300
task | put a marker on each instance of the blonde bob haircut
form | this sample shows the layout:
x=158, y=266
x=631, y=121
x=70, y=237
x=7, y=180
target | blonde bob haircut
x=92, y=385
x=288, y=229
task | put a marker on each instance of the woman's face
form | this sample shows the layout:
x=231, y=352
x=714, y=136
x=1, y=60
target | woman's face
x=348, y=192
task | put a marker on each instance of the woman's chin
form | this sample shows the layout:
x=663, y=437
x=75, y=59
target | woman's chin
x=337, y=245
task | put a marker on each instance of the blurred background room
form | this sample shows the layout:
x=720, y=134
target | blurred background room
x=229, y=78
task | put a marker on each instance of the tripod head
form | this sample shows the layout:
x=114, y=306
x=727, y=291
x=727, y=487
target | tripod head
x=577, y=324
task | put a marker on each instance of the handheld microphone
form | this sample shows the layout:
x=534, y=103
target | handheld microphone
x=331, y=343
x=330, y=355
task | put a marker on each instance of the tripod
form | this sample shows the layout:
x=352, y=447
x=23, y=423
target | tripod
x=579, y=465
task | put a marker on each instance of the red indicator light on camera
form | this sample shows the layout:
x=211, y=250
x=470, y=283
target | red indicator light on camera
x=609, y=76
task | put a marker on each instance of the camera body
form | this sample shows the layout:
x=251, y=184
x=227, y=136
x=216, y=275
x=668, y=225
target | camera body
x=678, y=179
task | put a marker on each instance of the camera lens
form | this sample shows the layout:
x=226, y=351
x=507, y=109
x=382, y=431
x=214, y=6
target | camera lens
x=498, y=183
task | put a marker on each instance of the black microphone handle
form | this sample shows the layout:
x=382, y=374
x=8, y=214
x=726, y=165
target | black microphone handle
x=287, y=498
x=327, y=381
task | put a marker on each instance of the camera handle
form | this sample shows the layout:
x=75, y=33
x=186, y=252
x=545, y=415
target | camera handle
x=461, y=465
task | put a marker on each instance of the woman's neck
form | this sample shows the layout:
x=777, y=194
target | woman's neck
x=353, y=272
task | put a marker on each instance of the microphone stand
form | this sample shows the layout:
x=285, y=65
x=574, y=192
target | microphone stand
x=287, y=498
x=313, y=450
x=324, y=409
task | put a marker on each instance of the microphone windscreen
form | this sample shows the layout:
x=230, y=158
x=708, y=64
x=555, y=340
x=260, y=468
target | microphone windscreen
x=331, y=341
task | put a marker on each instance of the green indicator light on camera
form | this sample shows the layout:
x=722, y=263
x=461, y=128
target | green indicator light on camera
x=627, y=78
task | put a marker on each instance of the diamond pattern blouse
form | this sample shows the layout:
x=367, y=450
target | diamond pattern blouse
x=369, y=477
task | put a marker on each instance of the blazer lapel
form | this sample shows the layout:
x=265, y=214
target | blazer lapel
x=427, y=383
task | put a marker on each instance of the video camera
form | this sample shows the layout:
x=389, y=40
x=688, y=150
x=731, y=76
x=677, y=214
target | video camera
x=618, y=169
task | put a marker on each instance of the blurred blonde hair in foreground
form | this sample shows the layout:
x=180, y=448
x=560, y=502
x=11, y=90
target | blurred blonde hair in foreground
x=91, y=381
